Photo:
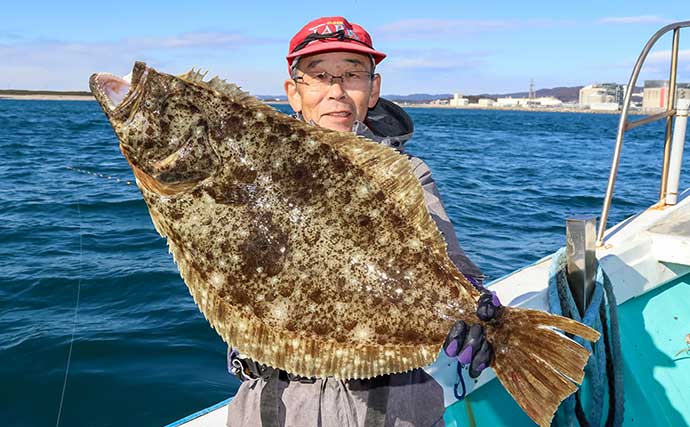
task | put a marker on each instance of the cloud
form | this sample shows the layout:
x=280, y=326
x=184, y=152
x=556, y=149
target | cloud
x=643, y=19
x=64, y=65
x=664, y=56
x=9, y=36
x=435, y=60
x=194, y=40
x=434, y=28
x=433, y=70
x=658, y=65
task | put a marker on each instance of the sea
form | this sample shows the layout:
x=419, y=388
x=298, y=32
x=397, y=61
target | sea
x=97, y=327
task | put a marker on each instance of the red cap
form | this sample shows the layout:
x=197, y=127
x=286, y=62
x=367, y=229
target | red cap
x=332, y=34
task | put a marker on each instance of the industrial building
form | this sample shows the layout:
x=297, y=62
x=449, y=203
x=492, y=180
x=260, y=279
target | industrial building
x=602, y=96
x=655, y=94
x=544, y=101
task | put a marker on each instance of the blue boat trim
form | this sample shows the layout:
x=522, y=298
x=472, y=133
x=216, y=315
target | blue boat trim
x=198, y=414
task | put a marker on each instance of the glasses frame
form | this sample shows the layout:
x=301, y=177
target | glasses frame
x=331, y=77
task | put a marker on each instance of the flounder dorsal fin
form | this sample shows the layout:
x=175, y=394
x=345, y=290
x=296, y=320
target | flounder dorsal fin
x=221, y=86
x=193, y=75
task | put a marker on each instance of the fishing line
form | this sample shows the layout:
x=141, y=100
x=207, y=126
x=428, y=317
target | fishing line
x=76, y=306
x=76, y=316
x=100, y=175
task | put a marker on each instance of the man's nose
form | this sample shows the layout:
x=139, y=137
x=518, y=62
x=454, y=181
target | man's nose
x=335, y=90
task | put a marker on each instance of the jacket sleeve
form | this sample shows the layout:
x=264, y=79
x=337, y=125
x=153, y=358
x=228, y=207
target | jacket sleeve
x=435, y=206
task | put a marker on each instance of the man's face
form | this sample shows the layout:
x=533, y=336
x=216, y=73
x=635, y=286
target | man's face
x=334, y=107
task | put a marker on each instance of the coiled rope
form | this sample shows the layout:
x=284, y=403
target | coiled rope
x=604, y=370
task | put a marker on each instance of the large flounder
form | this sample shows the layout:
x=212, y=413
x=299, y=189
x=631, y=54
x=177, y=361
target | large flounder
x=311, y=250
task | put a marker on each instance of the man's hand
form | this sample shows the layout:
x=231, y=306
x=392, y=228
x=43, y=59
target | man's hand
x=467, y=342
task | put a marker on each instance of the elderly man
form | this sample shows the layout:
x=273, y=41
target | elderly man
x=333, y=84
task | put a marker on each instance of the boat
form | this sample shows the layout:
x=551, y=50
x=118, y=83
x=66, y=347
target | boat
x=647, y=259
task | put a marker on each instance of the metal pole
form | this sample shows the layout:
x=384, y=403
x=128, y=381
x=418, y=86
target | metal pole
x=580, y=252
x=677, y=145
x=669, y=120
x=619, y=143
x=623, y=123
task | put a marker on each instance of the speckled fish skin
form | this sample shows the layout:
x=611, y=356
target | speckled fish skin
x=291, y=249
x=311, y=250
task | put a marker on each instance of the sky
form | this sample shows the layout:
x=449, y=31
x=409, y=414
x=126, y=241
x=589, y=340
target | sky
x=432, y=46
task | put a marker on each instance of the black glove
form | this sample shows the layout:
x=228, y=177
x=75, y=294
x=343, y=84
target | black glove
x=467, y=342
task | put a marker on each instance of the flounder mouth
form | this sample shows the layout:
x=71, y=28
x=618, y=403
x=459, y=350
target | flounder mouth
x=116, y=94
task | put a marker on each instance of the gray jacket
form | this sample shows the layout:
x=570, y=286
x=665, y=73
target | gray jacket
x=390, y=125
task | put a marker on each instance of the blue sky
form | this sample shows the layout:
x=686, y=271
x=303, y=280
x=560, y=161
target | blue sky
x=433, y=47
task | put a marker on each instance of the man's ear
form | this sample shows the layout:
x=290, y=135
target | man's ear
x=293, y=95
x=375, y=90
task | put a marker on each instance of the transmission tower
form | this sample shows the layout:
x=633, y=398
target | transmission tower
x=532, y=93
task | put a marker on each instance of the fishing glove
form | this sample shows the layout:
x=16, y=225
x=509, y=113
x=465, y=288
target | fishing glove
x=467, y=341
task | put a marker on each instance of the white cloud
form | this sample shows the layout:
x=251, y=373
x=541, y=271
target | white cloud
x=644, y=19
x=62, y=65
x=664, y=56
x=191, y=40
x=433, y=60
x=433, y=70
x=452, y=28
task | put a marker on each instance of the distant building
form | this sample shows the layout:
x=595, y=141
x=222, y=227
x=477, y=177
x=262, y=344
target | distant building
x=548, y=101
x=513, y=102
x=458, y=100
x=655, y=94
x=604, y=106
x=507, y=102
x=544, y=101
x=486, y=102
x=602, y=93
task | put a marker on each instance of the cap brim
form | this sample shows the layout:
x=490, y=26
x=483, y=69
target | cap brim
x=337, y=46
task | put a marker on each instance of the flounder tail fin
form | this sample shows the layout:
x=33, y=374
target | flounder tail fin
x=538, y=365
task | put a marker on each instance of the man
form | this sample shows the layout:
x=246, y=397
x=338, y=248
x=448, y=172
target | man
x=333, y=84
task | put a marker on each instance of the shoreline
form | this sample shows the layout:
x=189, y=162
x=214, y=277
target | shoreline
x=497, y=108
x=46, y=97
x=50, y=97
x=527, y=110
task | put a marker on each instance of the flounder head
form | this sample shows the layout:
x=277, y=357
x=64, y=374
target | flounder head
x=160, y=122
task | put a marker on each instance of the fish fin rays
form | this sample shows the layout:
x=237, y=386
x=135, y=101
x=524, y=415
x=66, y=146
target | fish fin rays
x=194, y=75
x=537, y=365
x=219, y=85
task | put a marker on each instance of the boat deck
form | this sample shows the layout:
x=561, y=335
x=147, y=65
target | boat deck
x=653, y=329
x=676, y=224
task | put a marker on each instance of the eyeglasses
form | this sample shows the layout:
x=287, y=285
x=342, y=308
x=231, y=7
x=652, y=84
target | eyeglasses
x=355, y=80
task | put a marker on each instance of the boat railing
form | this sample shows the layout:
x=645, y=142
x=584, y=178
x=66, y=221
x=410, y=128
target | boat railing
x=624, y=125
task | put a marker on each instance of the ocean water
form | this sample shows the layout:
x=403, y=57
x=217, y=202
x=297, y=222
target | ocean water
x=74, y=227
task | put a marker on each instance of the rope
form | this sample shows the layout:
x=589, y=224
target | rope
x=604, y=370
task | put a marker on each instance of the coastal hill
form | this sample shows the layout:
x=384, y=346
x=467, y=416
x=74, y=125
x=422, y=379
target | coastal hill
x=565, y=94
